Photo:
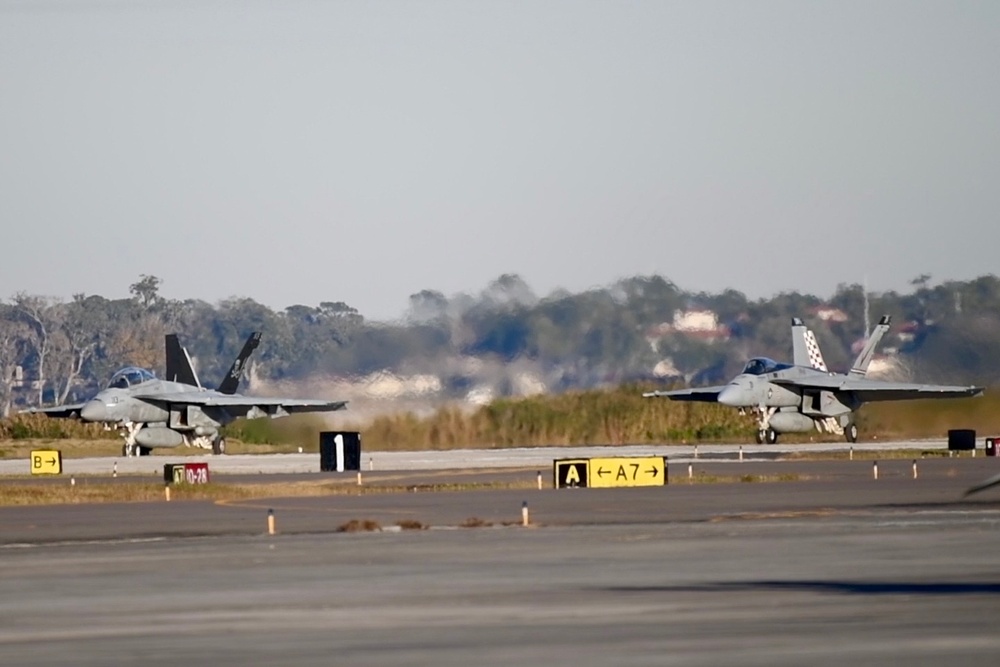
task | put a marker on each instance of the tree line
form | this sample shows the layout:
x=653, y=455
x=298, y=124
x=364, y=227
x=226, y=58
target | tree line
x=54, y=351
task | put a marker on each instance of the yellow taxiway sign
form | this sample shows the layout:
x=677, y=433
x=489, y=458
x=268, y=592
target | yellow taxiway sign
x=609, y=472
x=627, y=471
x=46, y=462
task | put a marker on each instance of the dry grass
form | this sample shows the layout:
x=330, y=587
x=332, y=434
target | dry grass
x=360, y=526
x=87, y=491
x=869, y=455
x=703, y=478
x=124, y=492
x=475, y=522
x=70, y=447
x=613, y=416
x=77, y=448
x=471, y=486
x=410, y=524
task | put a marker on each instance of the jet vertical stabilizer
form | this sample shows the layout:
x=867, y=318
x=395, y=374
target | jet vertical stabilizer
x=860, y=366
x=179, y=367
x=230, y=383
x=805, y=349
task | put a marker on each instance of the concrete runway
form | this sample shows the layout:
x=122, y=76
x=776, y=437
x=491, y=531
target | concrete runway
x=832, y=569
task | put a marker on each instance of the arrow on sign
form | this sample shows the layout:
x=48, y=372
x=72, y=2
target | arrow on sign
x=52, y=461
x=653, y=471
x=601, y=472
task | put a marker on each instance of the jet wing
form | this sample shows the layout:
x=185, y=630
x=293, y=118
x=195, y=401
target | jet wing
x=871, y=390
x=245, y=405
x=877, y=390
x=704, y=394
x=289, y=405
x=57, y=411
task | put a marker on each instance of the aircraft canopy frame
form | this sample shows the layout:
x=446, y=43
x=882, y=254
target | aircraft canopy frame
x=130, y=376
x=763, y=366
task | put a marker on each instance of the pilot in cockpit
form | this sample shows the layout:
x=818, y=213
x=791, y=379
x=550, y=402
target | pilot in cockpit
x=129, y=377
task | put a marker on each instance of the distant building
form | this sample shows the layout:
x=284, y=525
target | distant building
x=480, y=396
x=907, y=331
x=829, y=314
x=690, y=321
x=666, y=369
x=385, y=385
x=703, y=324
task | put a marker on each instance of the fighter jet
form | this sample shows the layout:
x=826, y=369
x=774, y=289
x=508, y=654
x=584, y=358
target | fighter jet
x=178, y=410
x=803, y=395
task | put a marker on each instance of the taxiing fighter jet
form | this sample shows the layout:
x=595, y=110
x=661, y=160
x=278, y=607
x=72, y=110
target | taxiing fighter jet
x=803, y=395
x=178, y=410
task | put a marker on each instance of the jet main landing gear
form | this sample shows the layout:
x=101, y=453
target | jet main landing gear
x=851, y=432
x=767, y=435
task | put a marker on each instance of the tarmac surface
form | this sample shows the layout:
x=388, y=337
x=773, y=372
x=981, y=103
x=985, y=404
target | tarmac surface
x=834, y=567
x=540, y=457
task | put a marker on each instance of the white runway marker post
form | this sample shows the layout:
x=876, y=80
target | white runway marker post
x=114, y=469
x=875, y=469
x=914, y=468
x=690, y=471
x=359, y=478
x=524, y=513
x=166, y=492
x=270, y=522
x=539, y=480
x=741, y=452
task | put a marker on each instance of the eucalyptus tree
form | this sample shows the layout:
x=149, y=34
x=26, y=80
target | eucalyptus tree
x=41, y=316
x=13, y=341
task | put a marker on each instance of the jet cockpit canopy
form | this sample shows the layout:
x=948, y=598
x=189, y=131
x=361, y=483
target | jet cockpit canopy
x=762, y=366
x=129, y=377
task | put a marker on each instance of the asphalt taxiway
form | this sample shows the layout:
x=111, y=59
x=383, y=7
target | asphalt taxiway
x=513, y=457
x=835, y=567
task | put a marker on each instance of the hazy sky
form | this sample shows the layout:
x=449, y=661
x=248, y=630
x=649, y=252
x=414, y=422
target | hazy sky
x=306, y=151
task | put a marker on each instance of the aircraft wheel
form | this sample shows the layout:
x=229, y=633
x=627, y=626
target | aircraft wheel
x=760, y=437
x=772, y=436
x=851, y=433
x=219, y=446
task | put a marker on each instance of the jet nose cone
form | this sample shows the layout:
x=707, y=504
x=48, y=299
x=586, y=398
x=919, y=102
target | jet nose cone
x=733, y=396
x=93, y=411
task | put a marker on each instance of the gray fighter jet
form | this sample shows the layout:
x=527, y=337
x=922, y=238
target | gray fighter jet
x=803, y=395
x=178, y=410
